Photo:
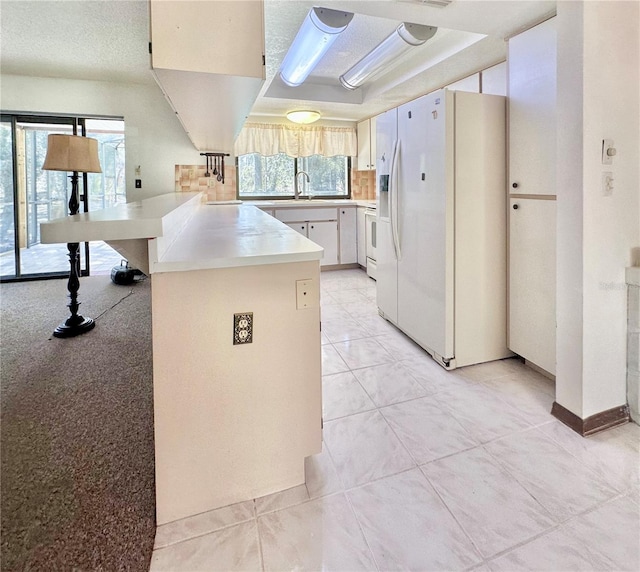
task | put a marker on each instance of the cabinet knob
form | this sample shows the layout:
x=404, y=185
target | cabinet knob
x=312, y=226
x=515, y=185
x=515, y=207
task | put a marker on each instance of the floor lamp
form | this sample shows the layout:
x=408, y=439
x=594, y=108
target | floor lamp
x=72, y=153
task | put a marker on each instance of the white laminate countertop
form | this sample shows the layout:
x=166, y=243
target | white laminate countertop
x=190, y=235
x=138, y=219
x=226, y=236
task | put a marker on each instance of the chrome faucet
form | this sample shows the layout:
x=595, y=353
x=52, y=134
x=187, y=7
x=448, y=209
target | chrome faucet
x=296, y=187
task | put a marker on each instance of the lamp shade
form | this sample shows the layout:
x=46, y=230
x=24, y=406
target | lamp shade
x=391, y=48
x=72, y=153
x=318, y=31
x=303, y=116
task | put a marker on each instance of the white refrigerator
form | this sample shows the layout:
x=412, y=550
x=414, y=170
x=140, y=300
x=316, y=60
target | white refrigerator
x=441, y=232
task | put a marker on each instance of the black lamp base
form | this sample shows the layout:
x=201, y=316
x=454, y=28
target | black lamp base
x=74, y=326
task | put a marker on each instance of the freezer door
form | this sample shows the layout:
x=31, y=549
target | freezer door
x=425, y=222
x=386, y=262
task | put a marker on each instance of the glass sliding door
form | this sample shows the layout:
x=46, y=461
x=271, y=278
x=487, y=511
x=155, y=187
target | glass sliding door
x=45, y=196
x=30, y=196
x=7, y=199
x=106, y=189
x=42, y=196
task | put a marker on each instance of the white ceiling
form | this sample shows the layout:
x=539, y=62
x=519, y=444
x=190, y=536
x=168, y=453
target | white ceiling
x=108, y=40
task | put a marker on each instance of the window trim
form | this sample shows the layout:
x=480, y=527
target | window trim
x=290, y=197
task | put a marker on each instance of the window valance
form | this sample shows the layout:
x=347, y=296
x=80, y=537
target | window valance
x=296, y=140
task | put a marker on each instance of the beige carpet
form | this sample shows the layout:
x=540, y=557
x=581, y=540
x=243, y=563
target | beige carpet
x=77, y=473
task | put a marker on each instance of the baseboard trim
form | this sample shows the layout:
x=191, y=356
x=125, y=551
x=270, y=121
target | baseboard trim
x=339, y=266
x=593, y=424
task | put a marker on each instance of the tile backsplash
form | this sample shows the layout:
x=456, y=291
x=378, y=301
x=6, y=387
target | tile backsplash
x=363, y=185
x=192, y=178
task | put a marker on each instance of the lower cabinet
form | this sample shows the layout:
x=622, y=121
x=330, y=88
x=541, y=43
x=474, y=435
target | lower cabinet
x=324, y=233
x=532, y=281
x=333, y=228
x=361, y=237
x=348, y=235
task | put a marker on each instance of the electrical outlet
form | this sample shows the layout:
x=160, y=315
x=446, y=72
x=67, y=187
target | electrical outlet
x=607, y=183
x=243, y=328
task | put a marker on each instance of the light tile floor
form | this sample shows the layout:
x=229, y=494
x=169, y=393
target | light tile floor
x=424, y=469
x=44, y=258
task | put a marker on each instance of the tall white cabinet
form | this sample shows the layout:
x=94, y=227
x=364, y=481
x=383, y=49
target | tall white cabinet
x=532, y=188
x=366, y=133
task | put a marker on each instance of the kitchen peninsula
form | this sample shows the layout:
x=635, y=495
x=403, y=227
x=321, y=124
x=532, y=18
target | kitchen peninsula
x=236, y=344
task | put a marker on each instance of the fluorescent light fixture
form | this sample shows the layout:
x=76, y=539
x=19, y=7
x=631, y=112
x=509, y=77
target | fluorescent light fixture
x=303, y=116
x=318, y=31
x=403, y=38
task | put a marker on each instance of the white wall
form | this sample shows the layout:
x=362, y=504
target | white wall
x=598, y=97
x=470, y=83
x=154, y=138
x=494, y=79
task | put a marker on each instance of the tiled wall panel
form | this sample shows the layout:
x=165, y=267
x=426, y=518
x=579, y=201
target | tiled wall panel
x=192, y=178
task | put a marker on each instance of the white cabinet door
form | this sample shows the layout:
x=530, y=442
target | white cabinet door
x=361, y=237
x=348, y=235
x=325, y=233
x=366, y=132
x=300, y=227
x=373, y=122
x=364, y=145
x=532, y=281
x=532, y=111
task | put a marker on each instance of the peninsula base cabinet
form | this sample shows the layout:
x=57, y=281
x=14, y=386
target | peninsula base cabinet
x=233, y=421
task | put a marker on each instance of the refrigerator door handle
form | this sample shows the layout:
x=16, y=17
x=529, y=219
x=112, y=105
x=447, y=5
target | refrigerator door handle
x=393, y=211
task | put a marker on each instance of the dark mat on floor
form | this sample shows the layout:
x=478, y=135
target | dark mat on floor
x=77, y=473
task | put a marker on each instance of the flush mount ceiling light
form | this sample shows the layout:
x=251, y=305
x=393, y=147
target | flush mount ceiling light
x=318, y=31
x=403, y=38
x=303, y=116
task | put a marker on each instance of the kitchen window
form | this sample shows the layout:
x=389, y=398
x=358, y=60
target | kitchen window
x=269, y=177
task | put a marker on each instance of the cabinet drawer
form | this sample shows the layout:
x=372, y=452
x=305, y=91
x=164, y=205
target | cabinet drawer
x=302, y=214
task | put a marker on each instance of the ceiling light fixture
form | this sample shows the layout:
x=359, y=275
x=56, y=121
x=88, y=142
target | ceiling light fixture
x=403, y=38
x=319, y=30
x=303, y=116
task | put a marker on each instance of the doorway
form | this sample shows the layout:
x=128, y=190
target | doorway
x=30, y=196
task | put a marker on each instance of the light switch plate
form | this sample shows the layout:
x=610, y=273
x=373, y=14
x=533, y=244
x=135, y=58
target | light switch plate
x=607, y=144
x=306, y=294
